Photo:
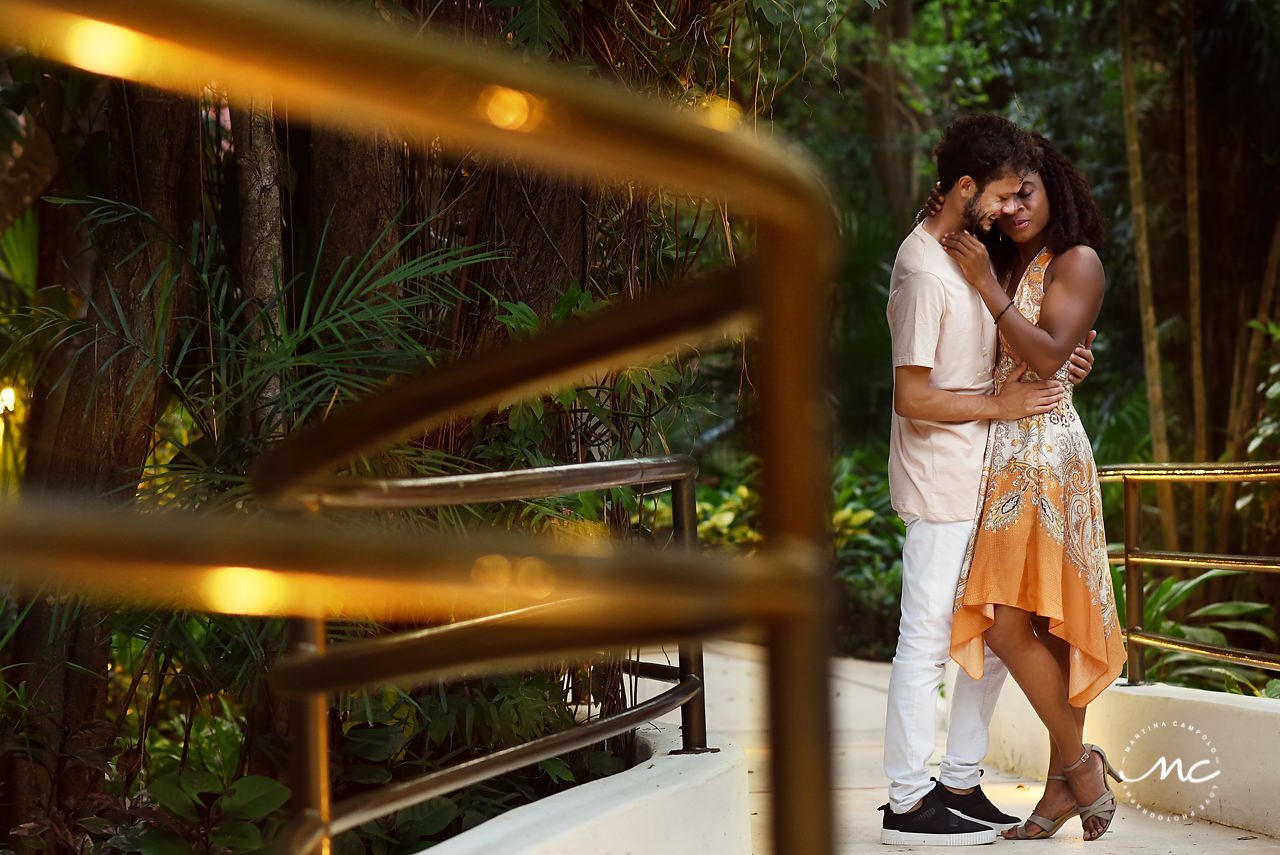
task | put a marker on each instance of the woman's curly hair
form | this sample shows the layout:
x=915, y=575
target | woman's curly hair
x=1074, y=218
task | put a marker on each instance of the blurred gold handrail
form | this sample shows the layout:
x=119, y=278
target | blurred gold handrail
x=1260, y=564
x=1134, y=557
x=1190, y=472
x=303, y=568
x=524, y=638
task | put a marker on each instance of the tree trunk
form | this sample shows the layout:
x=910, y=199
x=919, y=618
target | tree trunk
x=1150, y=340
x=1240, y=419
x=261, y=234
x=1199, y=401
x=890, y=128
x=356, y=184
x=539, y=223
x=99, y=437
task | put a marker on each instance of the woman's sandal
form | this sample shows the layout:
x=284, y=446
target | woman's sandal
x=1104, y=806
x=1048, y=827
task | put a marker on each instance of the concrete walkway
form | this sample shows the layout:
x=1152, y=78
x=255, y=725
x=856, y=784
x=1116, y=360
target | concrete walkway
x=735, y=706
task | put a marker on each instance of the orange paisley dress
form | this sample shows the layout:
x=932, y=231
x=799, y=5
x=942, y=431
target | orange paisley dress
x=1038, y=543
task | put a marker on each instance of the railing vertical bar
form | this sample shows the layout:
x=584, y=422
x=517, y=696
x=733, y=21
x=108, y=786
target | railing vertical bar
x=693, y=715
x=803, y=806
x=310, y=764
x=1135, y=604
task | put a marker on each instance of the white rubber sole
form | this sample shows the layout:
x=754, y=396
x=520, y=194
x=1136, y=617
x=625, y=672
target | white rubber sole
x=913, y=838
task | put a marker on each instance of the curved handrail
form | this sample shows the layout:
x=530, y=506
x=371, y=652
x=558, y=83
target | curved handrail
x=477, y=487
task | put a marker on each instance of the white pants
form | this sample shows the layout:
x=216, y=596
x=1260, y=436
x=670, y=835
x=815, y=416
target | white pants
x=931, y=558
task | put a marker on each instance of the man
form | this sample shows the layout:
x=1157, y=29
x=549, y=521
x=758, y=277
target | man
x=944, y=350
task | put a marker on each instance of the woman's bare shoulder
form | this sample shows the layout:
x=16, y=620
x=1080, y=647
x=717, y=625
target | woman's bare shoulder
x=1080, y=265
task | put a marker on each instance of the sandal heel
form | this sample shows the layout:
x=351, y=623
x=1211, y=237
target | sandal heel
x=1106, y=764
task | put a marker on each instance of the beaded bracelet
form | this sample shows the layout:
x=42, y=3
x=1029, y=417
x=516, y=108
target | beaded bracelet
x=1002, y=311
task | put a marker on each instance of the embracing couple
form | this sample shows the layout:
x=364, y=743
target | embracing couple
x=1004, y=566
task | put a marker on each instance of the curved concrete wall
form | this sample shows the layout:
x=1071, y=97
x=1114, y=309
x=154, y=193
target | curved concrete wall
x=665, y=805
x=1199, y=754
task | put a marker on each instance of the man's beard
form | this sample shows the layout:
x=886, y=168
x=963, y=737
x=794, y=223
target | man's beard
x=975, y=219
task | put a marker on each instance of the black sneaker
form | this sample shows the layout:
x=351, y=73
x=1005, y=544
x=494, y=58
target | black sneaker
x=975, y=807
x=932, y=824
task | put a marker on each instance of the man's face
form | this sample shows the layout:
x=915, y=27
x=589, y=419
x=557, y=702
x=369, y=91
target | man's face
x=997, y=198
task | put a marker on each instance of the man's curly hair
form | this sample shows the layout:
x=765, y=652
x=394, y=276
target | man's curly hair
x=1074, y=218
x=984, y=147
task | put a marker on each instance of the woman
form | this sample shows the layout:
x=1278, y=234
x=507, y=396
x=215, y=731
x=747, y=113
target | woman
x=1036, y=586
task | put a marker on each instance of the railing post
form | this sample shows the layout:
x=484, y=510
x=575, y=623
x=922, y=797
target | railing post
x=310, y=761
x=799, y=734
x=693, y=715
x=1134, y=597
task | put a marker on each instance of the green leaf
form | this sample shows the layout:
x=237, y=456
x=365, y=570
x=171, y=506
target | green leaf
x=1181, y=591
x=1233, y=608
x=163, y=843
x=1272, y=689
x=775, y=12
x=374, y=743
x=557, y=770
x=348, y=843
x=537, y=26
x=1246, y=626
x=237, y=836
x=427, y=819
x=1203, y=634
x=168, y=792
x=94, y=824
x=195, y=782
x=253, y=797
x=520, y=320
x=366, y=773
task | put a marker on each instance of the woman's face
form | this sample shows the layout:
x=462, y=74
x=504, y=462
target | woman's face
x=1031, y=214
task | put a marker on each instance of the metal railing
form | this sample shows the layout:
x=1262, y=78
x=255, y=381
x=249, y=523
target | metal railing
x=1135, y=558
x=343, y=70
x=313, y=670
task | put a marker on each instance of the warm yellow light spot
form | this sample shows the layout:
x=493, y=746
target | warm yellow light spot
x=104, y=48
x=721, y=113
x=8, y=399
x=509, y=109
x=492, y=572
x=535, y=577
x=242, y=591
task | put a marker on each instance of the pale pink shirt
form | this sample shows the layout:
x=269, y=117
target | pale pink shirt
x=937, y=320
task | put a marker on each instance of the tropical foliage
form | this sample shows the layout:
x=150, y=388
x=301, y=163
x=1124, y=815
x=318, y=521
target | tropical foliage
x=1209, y=624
